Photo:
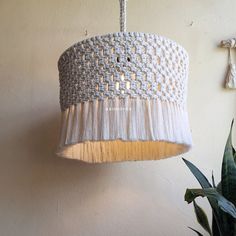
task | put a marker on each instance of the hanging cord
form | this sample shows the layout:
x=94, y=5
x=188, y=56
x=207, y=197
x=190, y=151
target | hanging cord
x=229, y=55
x=123, y=15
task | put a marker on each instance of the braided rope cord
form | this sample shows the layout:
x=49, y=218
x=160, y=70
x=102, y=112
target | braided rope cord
x=123, y=15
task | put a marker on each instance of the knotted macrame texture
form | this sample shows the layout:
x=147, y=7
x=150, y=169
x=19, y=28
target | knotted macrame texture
x=230, y=80
x=123, y=97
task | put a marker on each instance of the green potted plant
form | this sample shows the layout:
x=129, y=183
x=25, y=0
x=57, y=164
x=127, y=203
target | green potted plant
x=221, y=197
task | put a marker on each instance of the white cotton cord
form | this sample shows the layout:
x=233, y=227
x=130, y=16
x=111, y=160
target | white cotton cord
x=229, y=53
x=123, y=15
x=100, y=131
x=123, y=97
x=134, y=70
x=229, y=43
x=230, y=82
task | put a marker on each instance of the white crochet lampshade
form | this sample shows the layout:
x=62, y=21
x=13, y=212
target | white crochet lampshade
x=123, y=98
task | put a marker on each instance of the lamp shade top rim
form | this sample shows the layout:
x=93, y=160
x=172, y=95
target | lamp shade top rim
x=122, y=35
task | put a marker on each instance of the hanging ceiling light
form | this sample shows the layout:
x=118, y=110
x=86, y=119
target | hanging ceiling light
x=123, y=97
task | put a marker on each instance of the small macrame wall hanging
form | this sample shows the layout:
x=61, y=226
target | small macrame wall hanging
x=230, y=80
x=123, y=97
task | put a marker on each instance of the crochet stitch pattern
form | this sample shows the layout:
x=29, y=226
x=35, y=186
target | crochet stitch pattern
x=123, y=64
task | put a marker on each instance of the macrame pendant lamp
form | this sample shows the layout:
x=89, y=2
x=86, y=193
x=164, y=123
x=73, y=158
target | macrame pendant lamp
x=123, y=97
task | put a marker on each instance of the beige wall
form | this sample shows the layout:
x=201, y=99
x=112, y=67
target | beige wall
x=43, y=195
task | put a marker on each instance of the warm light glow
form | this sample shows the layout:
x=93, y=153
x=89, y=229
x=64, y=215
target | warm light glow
x=128, y=85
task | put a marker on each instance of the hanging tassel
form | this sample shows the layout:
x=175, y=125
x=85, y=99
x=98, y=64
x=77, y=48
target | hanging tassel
x=230, y=82
x=229, y=43
x=231, y=77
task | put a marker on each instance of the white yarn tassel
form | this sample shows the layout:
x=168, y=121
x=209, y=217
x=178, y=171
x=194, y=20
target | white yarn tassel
x=230, y=82
x=231, y=77
x=124, y=129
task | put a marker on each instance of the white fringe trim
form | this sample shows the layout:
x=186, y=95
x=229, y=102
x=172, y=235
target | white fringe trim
x=102, y=131
x=231, y=77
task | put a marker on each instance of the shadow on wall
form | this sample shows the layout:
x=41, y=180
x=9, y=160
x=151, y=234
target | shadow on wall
x=44, y=192
x=34, y=179
x=41, y=143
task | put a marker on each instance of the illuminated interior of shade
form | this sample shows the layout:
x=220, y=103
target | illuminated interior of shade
x=117, y=150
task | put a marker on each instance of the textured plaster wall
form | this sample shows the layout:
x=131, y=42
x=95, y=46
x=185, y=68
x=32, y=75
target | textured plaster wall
x=43, y=195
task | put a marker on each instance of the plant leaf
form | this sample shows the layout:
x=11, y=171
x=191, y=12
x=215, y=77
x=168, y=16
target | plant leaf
x=228, y=174
x=203, y=181
x=201, y=217
x=199, y=234
x=213, y=180
x=228, y=181
x=215, y=230
x=219, y=188
x=222, y=202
